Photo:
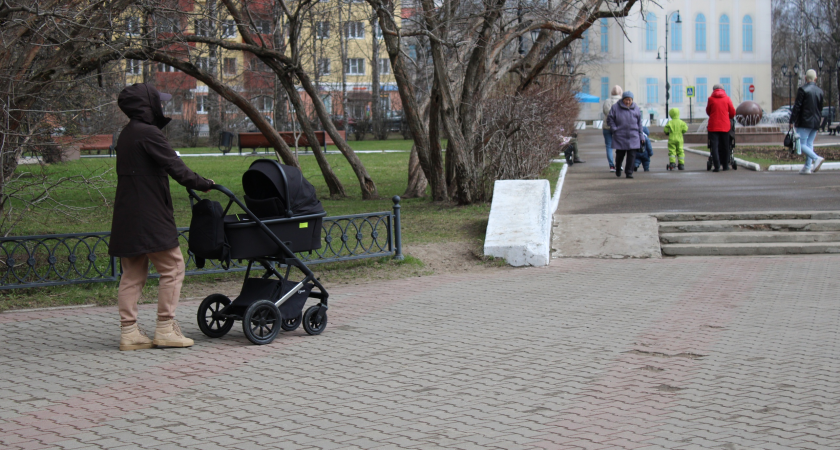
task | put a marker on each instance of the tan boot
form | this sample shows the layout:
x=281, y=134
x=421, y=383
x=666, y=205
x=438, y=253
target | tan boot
x=168, y=334
x=133, y=338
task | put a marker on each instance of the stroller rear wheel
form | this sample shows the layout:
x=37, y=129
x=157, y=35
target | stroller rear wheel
x=311, y=324
x=208, y=316
x=709, y=165
x=291, y=324
x=261, y=322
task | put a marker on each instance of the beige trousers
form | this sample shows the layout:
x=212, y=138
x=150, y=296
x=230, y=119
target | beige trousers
x=169, y=264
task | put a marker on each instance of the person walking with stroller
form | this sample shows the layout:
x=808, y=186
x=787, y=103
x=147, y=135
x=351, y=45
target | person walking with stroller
x=143, y=227
x=806, y=116
x=625, y=121
x=675, y=129
x=720, y=111
x=615, y=97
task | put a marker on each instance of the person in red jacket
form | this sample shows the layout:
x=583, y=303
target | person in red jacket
x=720, y=111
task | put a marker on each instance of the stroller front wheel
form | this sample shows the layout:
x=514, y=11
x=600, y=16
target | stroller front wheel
x=261, y=322
x=209, y=320
x=291, y=324
x=311, y=324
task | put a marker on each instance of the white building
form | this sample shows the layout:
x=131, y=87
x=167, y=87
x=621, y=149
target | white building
x=719, y=41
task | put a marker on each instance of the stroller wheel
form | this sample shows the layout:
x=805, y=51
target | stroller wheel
x=708, y=165
x=311, y=323
x=208, y=321
x=261, y=322
x=291, y=324
x=734, y=165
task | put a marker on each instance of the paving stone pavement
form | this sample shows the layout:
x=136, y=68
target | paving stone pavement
x=674, y=353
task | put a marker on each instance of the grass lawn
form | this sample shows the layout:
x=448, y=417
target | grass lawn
x=766, y=156
x=423, y=221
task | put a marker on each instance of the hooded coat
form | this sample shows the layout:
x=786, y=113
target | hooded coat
x=720, y=111
x=675, y=128
x=144, y=220
x=626, y=125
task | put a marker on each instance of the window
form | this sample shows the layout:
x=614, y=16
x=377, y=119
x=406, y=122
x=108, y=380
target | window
x=605, y=87
x=322, y=30
x=264, y=104
x=327, y=99
x=201, y=104
x=650, y=32
x=263, y=26
x=354, y=30
x=724, y=33
x=748, y=34
x=747, y=95
x=652, y=90
x=584, y=85
x=355, y=66
x=584, y=46
x=133, y=67
x=377, y=32
x=727, y=85
x=676, y=34
x=324, y=66
x=605, y=36
x=229, y=66
x=173, y=106
x=132, y=26
x=676, y=90
x=166, y=68
x=412, y=51
x=700, y=33
x=258, y=65
x=203, y=63
x=166, y=25
x=385, y=103
x=701, y=90
x=203, y=28
x=384, y=66
x=228, y=29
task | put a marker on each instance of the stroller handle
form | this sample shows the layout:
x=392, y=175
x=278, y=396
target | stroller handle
x=218, y=187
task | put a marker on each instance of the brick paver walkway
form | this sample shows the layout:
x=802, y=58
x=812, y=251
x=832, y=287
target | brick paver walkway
x=674, y=353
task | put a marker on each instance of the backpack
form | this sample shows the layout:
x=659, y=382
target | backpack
x=207, y=233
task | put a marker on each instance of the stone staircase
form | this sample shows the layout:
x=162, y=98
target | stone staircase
x=749, y=233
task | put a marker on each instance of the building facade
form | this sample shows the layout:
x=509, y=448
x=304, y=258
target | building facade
x=724, y=42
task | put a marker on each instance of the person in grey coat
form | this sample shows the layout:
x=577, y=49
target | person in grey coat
x=625, y=121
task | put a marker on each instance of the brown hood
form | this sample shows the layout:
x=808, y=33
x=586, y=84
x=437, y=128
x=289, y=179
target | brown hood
x=141, y=101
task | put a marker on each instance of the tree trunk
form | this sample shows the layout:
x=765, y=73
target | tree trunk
x=439, y=187
x=416, y=180
x=333, y=183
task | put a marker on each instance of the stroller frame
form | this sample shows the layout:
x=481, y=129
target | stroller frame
x=710, y=163
x=259, y=303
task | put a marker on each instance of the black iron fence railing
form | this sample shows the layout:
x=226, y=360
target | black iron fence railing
x=59, y=259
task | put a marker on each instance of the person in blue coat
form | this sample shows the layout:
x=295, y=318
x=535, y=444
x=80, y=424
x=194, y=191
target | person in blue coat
x=643, y=157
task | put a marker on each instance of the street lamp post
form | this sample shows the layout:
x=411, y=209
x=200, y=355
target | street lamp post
x=667, y=80
x=567, y=57
x=789, y=76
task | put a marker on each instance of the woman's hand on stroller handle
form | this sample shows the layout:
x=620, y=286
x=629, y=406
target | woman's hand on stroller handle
x=212, y=183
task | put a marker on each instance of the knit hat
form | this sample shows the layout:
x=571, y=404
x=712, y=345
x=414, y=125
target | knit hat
x=626, y=94
x=616, y=90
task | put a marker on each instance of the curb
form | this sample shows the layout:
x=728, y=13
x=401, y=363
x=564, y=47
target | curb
x=742, y=163
x=555, y=199
x=797, y=167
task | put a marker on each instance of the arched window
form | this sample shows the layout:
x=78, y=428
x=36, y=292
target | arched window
x=748, y=34
x=724, y=33
x=605, y=36
x=676, y=34
x=650, y=32
x=700, y=33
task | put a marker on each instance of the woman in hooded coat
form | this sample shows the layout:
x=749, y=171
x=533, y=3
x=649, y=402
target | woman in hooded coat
x=143, y=228
x=625, y=121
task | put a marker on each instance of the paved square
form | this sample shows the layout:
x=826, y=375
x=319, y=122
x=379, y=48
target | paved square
x=673, y=353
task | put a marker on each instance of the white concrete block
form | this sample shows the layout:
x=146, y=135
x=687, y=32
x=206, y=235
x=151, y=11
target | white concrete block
x=598, y=124
x=519, y=228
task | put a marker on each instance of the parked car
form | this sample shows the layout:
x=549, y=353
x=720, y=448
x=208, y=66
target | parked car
x=829, y=114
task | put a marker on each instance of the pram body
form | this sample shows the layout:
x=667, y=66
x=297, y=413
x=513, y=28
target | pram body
x=732, y=161
x=282, y=216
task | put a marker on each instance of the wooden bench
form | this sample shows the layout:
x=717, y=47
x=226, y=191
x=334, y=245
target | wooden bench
x=97, y=142
x=258, y=140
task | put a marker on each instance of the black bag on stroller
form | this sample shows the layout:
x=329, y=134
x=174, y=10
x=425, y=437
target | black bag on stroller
x=207, y=233
x=282, y=217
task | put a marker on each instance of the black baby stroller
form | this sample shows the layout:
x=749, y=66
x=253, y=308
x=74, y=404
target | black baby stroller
x=282, y=217
x=710, y=163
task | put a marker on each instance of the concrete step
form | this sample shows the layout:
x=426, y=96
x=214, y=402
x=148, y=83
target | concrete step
x=783, y=215
x=745, y=237
x=712, y=226
x=780, y=248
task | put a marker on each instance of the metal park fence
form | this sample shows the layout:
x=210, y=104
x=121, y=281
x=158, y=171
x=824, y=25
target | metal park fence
x=60, y=259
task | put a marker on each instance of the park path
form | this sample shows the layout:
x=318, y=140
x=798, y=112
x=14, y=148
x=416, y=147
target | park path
x=591, y=189
x=586, y=353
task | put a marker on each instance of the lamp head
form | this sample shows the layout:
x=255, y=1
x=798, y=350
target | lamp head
x=567, y=54
x=796, y=68
x=820, y=62
x=679, y=20
x=784, y=68
x=658, y=56
x=534, y=35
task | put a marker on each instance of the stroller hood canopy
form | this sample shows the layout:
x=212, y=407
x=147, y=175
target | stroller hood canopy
x=266, y=179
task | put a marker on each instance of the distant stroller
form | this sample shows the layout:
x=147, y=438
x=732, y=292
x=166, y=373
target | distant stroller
x=710, y=163
x=282, y=217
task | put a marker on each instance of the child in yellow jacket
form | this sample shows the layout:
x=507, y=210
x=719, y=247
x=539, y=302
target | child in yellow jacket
x=675, y=130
